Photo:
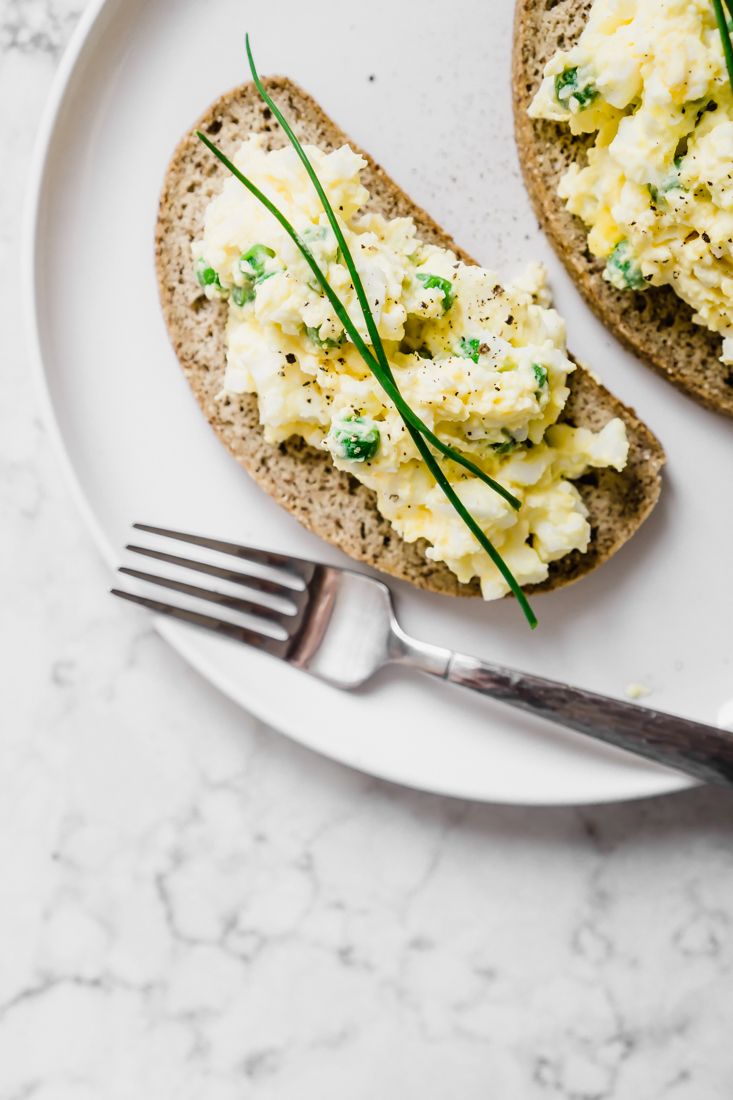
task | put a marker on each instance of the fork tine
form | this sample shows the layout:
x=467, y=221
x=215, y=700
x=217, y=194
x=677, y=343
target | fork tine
x=236, y=603
x=259, y=584
x=270, y=645
x=296, y=566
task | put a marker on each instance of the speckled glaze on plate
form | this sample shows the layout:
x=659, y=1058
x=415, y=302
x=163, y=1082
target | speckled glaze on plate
x=136, y=447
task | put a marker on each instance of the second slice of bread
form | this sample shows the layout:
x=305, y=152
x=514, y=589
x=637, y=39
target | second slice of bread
x=655, y=324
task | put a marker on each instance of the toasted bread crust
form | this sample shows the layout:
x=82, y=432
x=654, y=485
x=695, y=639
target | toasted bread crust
x=655, y=324
x=328, y=501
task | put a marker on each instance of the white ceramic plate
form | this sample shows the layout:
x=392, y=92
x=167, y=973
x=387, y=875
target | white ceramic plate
x=425, y=88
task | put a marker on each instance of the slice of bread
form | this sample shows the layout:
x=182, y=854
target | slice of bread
x=655, y=324
x=328, y=501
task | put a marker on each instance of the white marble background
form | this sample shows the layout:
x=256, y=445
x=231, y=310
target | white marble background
x=192, y=906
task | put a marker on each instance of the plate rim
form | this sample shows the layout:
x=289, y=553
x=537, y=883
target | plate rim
x=659, y=783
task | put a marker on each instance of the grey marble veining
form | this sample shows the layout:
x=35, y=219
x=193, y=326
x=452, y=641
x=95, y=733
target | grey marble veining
x=193, y=906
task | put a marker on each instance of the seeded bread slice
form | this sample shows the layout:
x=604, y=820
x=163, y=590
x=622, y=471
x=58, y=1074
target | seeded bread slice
x=655, y=324
x=326, y=500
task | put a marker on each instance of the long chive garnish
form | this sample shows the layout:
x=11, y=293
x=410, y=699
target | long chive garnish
x=376, y=340
x=386, y=370
x=386, y=382
x=381, y=368
x=725, y=34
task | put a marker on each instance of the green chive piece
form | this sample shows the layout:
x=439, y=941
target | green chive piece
x=622, y=269
x=355, y=439
x=469, y=349
x=254, y=259
x=437, y=282
x=510, y=444
x=671, y=182
x=567, y=90
x=540, y=374
x=241, y=295
x=725, y=36
x=206, y=275
x=483, y=541
x=332, y=252
x=252, y=267
x=314, y=335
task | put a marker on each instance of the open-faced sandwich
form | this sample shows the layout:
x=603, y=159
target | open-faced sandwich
x=624, y=123
x=422, y=416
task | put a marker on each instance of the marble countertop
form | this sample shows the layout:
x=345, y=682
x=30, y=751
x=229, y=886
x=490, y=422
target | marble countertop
x=194, y=906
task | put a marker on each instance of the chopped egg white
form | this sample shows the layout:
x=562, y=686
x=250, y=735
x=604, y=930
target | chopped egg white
x=484, y=365
x=648, y=77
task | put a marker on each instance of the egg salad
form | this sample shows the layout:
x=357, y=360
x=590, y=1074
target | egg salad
x=484, y=365
x=648, y=78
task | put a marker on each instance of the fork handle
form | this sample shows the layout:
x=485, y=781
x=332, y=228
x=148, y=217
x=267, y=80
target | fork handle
x=704, y=752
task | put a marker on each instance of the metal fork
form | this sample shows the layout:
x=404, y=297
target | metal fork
x=304, y=613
